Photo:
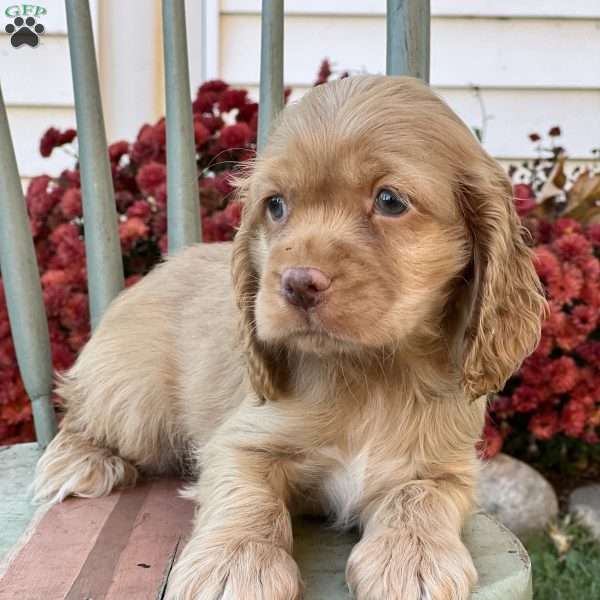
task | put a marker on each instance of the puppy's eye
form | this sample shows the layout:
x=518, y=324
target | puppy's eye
x=391, y=204
x=277, y=208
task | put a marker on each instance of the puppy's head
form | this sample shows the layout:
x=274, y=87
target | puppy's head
x=375, y=221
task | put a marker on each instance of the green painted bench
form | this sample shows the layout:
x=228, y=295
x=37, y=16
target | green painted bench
x=123, y=546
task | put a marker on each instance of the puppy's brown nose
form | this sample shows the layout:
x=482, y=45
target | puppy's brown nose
x=304, y=286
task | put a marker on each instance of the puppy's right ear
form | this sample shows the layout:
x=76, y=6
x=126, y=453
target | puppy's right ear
x=260, y=363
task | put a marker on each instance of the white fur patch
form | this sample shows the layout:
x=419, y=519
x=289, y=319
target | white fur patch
x=344, y=486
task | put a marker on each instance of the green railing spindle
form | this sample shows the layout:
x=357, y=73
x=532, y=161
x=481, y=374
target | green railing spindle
x=271, y=67
x=408, y=37
x=102, y=246
x=23, y=291
x=183, y=211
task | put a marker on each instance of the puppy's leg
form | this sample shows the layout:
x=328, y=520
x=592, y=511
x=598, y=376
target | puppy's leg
x=74, y=466
x=119, y=417
x=411, y=547
x=242, y=538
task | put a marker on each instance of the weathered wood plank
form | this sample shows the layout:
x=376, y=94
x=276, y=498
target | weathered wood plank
x=57, y=549
x=159, y=531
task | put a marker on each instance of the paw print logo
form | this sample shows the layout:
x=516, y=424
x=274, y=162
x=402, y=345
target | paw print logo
x=24, y=31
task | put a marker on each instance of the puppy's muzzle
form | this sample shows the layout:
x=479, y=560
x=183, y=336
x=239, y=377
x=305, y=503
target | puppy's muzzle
x=304, y=287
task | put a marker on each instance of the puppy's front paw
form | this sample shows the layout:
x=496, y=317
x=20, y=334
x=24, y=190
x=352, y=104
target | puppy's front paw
x=244, y=571
x=397, y=565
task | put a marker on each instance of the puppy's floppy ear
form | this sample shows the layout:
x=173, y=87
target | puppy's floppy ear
x=506, y=301
x=260, y=362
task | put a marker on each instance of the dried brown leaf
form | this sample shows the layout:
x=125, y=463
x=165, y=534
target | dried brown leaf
x=556, y=180
x=561, y=540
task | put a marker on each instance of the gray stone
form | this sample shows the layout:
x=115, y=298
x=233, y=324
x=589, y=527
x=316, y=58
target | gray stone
x=517, y=495
x=584, y=502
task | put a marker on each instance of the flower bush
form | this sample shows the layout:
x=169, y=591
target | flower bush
x=550, y=410
x=225, y=121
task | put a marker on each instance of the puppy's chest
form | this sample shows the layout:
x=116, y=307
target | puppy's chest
x=350, y=477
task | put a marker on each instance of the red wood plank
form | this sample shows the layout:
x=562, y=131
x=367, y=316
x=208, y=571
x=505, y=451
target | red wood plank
x=159, y=531
x=50, y=561
x=96, y=574
x=111, y=548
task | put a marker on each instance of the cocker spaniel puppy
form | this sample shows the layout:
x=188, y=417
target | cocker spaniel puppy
x=379, y=288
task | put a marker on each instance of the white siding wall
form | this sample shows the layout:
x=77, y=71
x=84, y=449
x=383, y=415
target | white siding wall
x=537, y=64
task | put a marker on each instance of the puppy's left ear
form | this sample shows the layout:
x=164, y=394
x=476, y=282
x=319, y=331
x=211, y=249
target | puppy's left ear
x=507, y=303
x=260, y=363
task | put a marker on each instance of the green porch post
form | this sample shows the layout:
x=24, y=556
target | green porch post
x=102, y=246
x=271, y=67
x=183, y=210
x=23, y=291
x=408, y=38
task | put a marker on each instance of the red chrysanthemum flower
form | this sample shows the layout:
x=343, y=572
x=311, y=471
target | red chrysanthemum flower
x=124, y=200
x=201, y=133
x=555, y=322
x=160, y=196
x=534, y=370
x=117, y=150
x=590, y=352
x=545, y=424
x=563, y=374
x=566, y=288
x=212, y=123
x=593, y=233
x=524, y=198
x=150, y=176
x=53, y=138
x=492, y=441
x=566, y=227
x=247, y=112
x=584, y=318
x=49, y=141
x=74, y=313
x=547, y=264
x=140, y=210
x=213, y=85
x=525, y=398
x=573, y=247
x=545, y=346
x=231, y=99
x=205, y=102
x=131, y=231
x=235, y=136
x=67, y=136
x=70, y=204
x=573, y=416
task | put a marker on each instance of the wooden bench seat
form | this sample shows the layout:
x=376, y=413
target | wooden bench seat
x=123, y=545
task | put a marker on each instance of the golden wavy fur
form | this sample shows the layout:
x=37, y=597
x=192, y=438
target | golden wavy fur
x=366, y=406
